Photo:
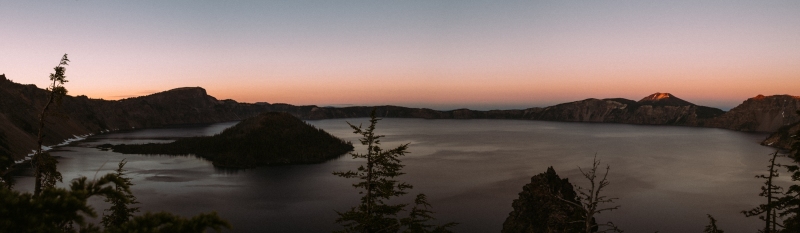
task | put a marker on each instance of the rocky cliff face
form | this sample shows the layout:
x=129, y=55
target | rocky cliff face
x=539, y=209
x=656, y=109
x=785, y=138
x=761, y=114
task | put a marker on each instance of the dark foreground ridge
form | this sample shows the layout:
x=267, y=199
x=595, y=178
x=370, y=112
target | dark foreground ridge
x=268, y=139
x=20, y=105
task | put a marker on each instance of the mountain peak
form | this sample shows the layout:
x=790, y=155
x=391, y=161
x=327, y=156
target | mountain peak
x=658, y=96
x=667, y=99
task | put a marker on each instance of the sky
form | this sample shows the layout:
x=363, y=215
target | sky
x=436, y=54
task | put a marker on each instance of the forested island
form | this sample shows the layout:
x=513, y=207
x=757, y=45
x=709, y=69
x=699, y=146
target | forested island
x=271, y=138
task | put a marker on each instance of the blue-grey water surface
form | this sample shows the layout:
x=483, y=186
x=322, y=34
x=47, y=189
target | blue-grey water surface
x=667, y=178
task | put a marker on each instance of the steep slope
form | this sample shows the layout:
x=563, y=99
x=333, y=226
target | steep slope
x=784, y=138
x=20, y=106
x=268, y=139
x=761, y=114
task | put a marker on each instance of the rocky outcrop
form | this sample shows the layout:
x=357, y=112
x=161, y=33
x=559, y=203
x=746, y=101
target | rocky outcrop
x=785, y=138
x=540, y=208
x=761, y=114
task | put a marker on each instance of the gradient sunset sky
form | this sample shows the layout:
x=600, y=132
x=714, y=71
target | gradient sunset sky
x=437, y=54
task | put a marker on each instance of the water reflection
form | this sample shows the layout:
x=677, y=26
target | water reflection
x=668, y=178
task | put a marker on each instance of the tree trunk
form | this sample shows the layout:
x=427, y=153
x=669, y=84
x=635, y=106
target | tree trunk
x=37, y=157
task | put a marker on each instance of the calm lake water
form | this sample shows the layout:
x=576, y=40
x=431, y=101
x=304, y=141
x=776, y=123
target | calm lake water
x=667, y=178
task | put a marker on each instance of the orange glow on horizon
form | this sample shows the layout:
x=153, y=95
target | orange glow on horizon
x=524, y=53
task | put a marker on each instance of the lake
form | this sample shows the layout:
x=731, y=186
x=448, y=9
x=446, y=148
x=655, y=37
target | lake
x=667, y=178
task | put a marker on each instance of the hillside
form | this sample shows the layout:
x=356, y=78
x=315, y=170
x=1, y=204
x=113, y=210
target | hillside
x=20, y=105
x=761, y=114
x=785, y=138
x=268, y=139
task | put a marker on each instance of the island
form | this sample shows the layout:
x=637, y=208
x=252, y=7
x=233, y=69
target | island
x=271, y=138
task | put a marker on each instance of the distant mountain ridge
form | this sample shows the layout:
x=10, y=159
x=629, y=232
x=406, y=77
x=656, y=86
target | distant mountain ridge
x=656, y=109
x=19, y=105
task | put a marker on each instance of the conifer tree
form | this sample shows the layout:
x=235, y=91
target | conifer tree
x=712, y=226
x=65, y=209
x=55, y=209
x=767, y=212
x=377, y=184
x=52, y=209
x=120, y=210
x=44, y=165
x=419, y=218
x=790, y=202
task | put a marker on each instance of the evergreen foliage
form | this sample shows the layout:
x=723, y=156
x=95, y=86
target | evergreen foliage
x=377, y=184
x=52, y=209
x=781, y=205
x=55, y=209
x=419, y=218
x=768, y=212
x=44, y=165
x=64, y=210
x=120, y=210
x=712, y=226
x=6, y=164
x=790, y=202
x=546, y=204
x=268, y=139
